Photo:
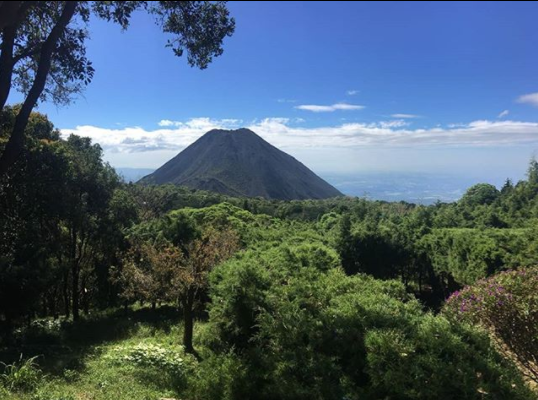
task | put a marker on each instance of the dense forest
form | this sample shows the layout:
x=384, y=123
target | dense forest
x=111, y=290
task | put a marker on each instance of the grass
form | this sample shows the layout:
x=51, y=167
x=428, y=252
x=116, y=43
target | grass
x=23, y=375
x=106, y=357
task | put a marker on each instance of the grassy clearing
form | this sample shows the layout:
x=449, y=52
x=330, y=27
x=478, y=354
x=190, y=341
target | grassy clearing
x=106, y=357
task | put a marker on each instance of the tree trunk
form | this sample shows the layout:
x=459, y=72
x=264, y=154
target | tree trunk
x=53, y=306
x=75, y=274
x=66, y=293
x=6, y=63
x=85, y=301
x=44, y=307
x=15, y=144
x=188, y=321
x=12, y=13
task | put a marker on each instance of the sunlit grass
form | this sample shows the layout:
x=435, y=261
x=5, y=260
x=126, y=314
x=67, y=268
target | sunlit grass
x=141, y=359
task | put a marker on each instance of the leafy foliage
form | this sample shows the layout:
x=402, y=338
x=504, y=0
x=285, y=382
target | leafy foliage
x=44, y=51
x=61, y=223
x=304, y=299
x=303, y=331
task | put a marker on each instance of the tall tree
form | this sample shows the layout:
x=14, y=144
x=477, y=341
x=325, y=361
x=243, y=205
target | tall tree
x=344, y=245
x=43, y=53
x=61, y=220
x=90, y=186
x=30, y=215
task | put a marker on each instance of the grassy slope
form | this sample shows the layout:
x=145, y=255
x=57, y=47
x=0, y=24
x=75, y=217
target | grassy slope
x=94, y=367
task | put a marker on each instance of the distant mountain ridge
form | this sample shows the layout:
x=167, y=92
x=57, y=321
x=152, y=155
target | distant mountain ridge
x=240, y=163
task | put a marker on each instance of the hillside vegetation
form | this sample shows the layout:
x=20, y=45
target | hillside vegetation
x=122, y=291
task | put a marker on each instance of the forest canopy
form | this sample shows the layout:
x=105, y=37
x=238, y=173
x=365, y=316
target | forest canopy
x=228, y=298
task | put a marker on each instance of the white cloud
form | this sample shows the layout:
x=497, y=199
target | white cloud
x=331, y=108
x=200, y=123
x=284, y=133
x=398, y=123
x=174, y=135
x=531, y=98
x=503, y=114
x=167, y=122
x=352, y=92
x=405, y=116
x=395, y=134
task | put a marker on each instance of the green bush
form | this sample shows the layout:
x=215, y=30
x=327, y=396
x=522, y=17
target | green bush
x=305, y=332
x=219, y=377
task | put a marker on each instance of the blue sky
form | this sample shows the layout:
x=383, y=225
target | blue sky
x=343, y=86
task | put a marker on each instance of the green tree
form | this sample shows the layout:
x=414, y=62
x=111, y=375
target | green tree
x=345, y=245
x=30, y=215
x=62, y=222
x=90, y=185
x=43, y=52
x=507, y=188
x=480, y=194
x=532, y=172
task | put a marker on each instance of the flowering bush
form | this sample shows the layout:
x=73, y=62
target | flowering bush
x=507, y=305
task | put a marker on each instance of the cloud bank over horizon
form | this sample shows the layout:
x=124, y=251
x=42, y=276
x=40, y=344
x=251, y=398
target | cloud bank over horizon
x=393, y=145
x=286, y=133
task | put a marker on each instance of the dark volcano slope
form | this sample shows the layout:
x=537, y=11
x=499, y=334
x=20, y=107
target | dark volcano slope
x=240, y=163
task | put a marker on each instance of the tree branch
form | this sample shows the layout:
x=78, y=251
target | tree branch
x=6, y=62
x=9, y=33
x=16, y=140
x=29, y=52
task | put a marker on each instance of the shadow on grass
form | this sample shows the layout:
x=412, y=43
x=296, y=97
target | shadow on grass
x=64, y=344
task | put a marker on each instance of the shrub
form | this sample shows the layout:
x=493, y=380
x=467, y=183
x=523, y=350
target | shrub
x=305, y=332
x=507, y=305
x=23, y=375
x=219, y=377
